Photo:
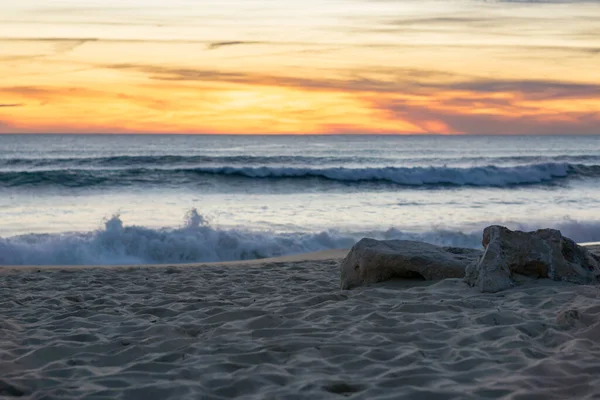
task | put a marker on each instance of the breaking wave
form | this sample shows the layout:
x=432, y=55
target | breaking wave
x=490, y=176
x=198, y=241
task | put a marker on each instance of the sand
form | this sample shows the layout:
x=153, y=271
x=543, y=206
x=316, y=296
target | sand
x=282, y=329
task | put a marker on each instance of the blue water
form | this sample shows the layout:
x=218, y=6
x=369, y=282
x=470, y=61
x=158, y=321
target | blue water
x=105, y=199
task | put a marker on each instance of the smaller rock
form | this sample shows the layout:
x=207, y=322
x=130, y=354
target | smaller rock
x=545, y=253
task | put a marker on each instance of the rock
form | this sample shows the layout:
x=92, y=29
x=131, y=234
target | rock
x=371, y=261
x=545, y=253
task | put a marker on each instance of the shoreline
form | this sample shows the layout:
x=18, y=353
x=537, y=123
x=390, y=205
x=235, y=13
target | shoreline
x=324, y=255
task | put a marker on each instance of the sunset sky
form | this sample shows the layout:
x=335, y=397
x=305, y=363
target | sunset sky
x=290, y=66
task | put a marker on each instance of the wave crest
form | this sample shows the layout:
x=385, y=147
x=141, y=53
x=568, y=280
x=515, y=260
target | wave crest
x=195, y=241
x=416, y=176
x=490, y=176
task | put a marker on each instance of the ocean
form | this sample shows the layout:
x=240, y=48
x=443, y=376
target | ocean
x=133, y=199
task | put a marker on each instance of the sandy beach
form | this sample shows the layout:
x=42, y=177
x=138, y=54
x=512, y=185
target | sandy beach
x=281, y=328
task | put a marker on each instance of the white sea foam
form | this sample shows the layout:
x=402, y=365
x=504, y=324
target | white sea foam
x=198, y=241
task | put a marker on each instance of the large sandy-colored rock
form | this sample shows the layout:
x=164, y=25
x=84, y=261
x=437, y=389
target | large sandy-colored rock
x=545, y=253
x=371, y=261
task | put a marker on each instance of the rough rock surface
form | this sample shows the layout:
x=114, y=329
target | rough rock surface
x=371, y=261
x=545, y=253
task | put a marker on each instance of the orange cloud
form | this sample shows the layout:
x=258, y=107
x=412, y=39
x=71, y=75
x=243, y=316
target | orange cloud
x=204, y=101
x=177, y=108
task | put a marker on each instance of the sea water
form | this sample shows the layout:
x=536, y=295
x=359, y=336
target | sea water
x=129, y=199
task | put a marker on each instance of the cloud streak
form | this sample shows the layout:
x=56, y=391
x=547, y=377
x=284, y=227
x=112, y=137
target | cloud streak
x=409, y=81
x=218, y=45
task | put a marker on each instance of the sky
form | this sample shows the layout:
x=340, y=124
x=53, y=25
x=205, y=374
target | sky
x=302, y=67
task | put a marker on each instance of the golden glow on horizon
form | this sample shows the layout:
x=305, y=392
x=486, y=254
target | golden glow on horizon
x=360, y=66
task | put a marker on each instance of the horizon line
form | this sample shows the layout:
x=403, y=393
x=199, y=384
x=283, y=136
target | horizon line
x=284, y=134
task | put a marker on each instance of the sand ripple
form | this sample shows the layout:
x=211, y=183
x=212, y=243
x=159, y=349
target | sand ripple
x=286, y=331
